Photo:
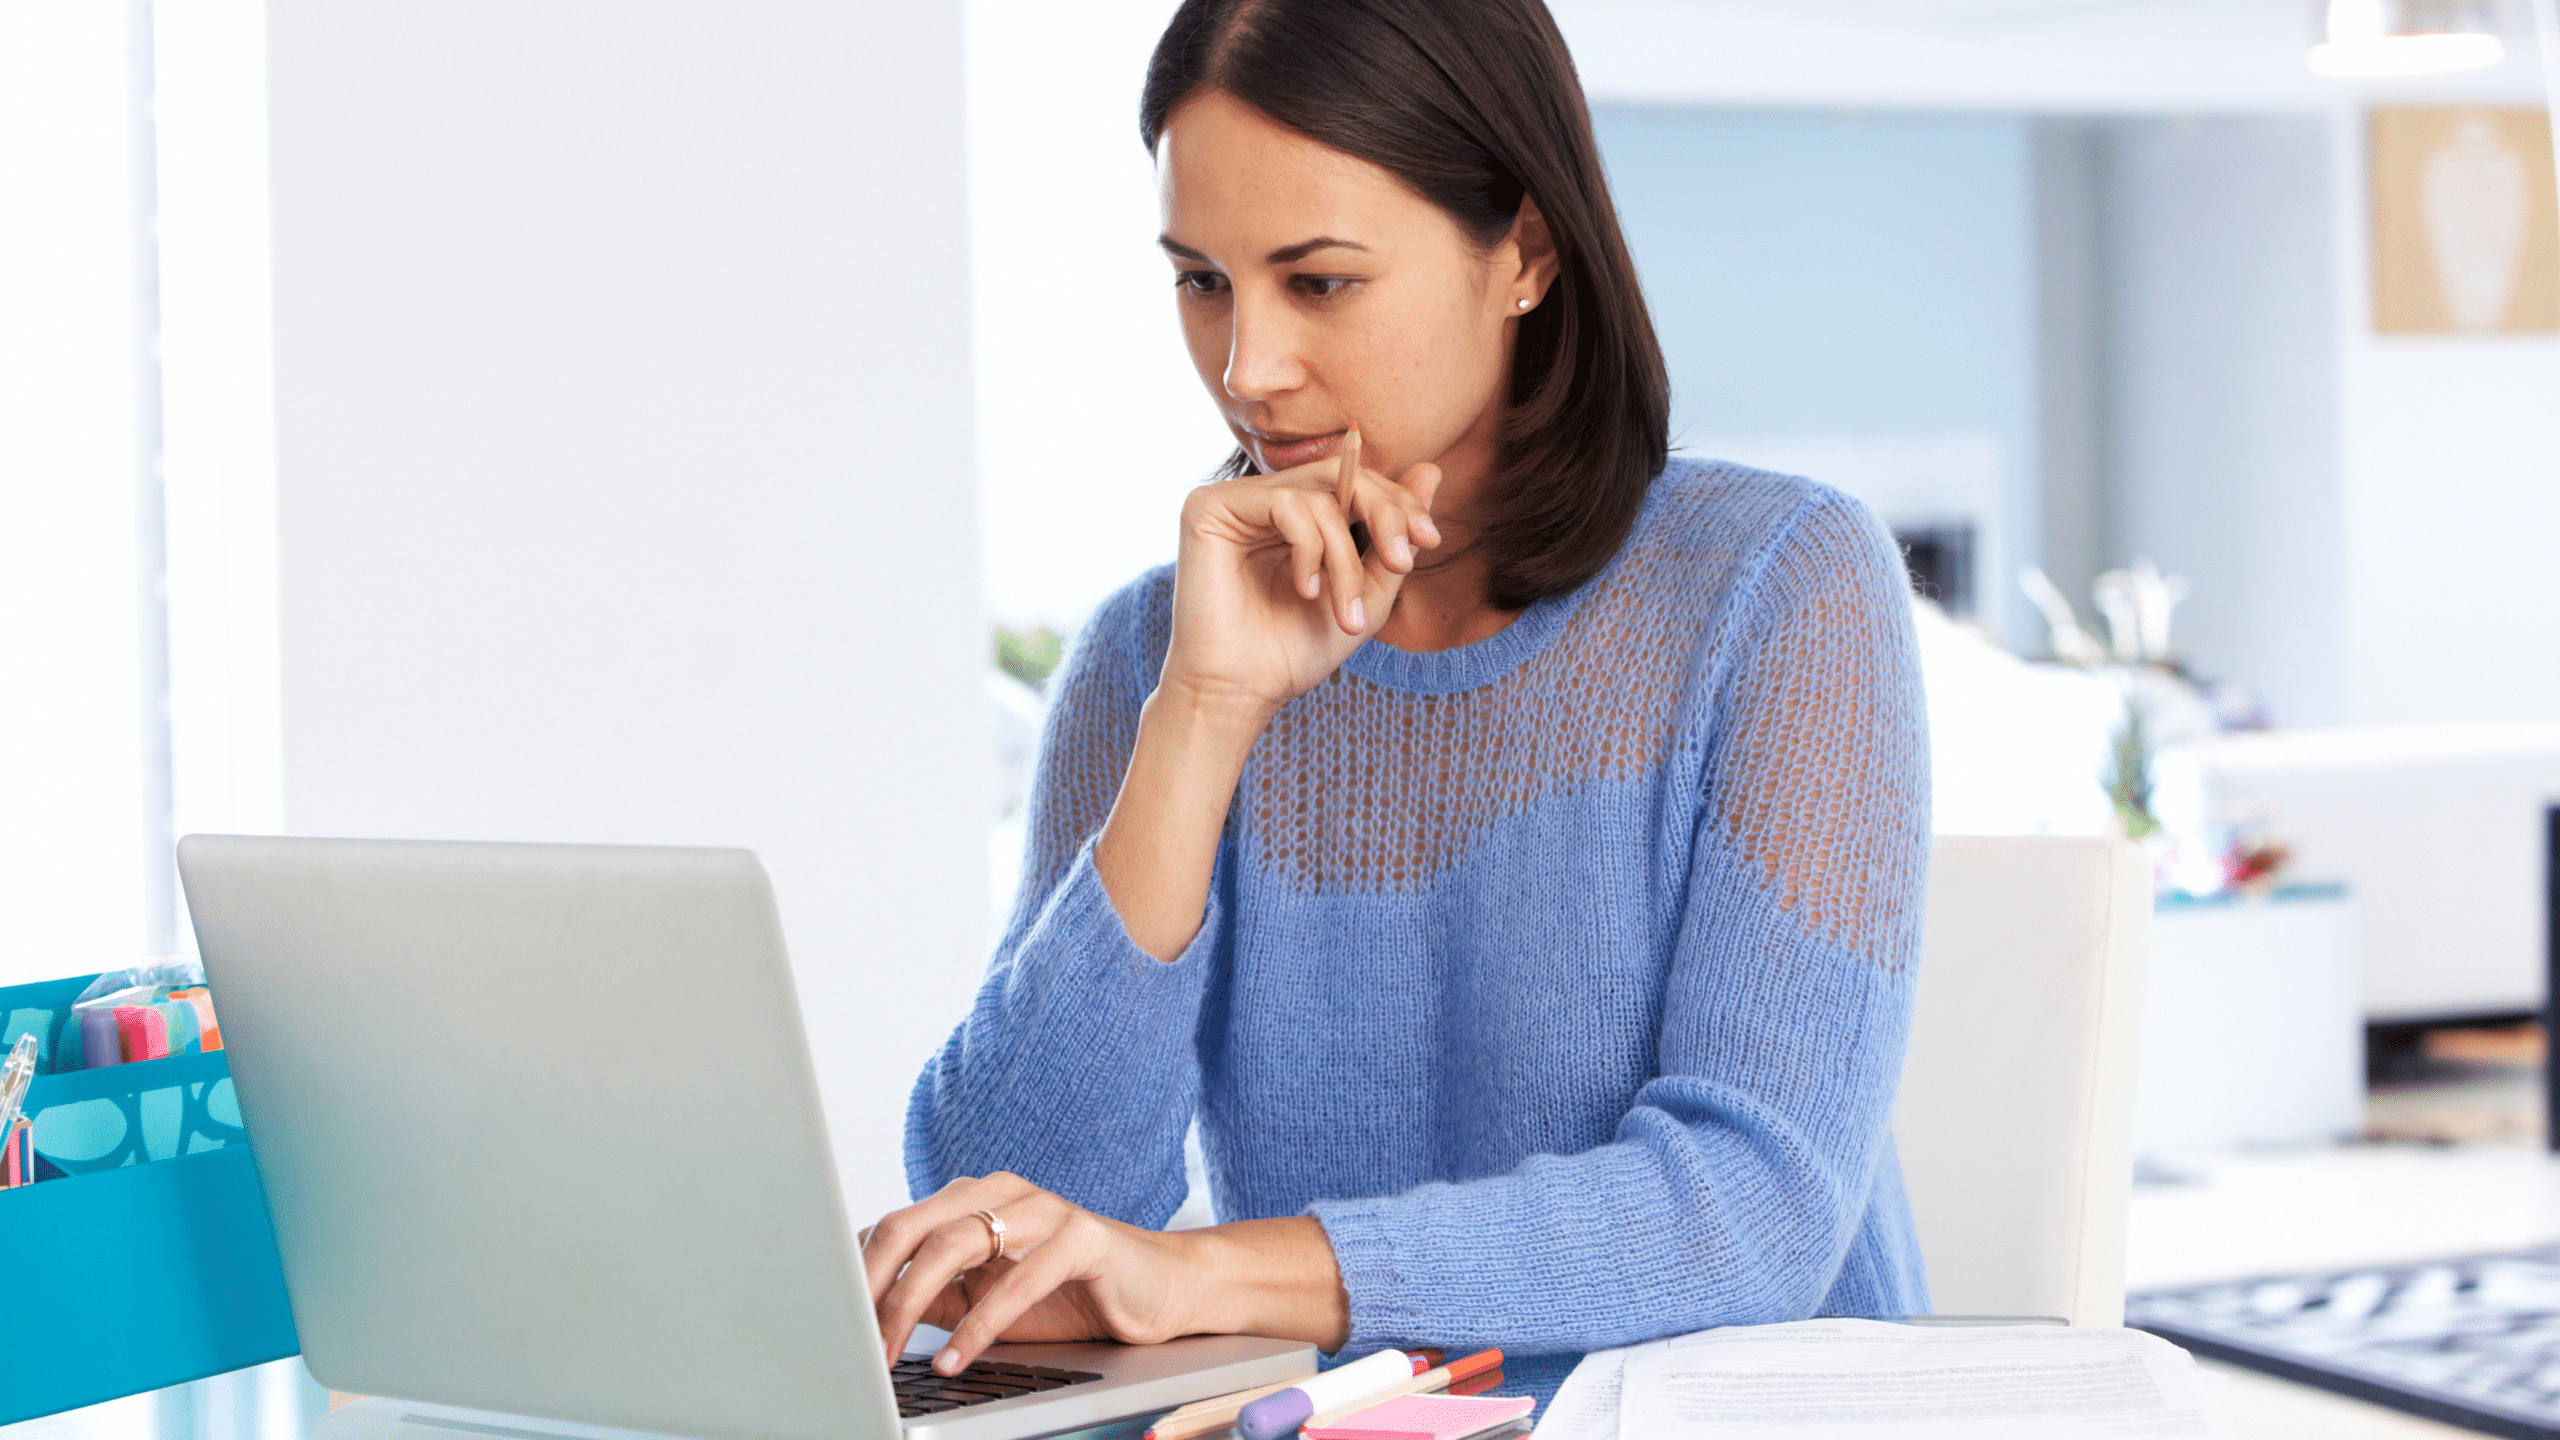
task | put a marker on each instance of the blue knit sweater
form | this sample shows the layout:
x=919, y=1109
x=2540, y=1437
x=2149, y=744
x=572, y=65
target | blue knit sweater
x=1564, y=977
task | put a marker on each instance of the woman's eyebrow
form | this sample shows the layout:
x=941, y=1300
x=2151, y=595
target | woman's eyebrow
x=1291, y=254
x=1285, y=255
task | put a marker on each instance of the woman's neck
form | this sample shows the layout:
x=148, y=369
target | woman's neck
x=1442, y=607
x=1442, y=604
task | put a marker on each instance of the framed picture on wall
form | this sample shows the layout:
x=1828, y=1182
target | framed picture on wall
x=2465, y=240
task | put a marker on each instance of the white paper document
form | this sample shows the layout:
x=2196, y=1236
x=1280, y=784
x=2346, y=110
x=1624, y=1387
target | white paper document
x=1869, y=1380
x=1586, y=1404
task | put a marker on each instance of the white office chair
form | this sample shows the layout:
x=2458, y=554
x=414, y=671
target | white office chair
x=2015, y=1122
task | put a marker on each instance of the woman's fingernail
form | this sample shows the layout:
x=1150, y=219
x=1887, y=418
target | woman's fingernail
x=948, y=1362
x=1307, y=587
x=1400, y=550
x=1359, y=614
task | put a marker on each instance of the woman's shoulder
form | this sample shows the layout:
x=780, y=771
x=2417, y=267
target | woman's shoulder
x=1739, y=503
x=1715, y=527
x=1144, y=602
x=1129, y=630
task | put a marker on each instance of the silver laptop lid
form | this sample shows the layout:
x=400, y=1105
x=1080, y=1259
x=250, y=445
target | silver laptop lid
x=539, y=1131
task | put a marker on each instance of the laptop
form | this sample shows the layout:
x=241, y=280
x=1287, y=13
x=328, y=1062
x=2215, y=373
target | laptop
x=542, y=1143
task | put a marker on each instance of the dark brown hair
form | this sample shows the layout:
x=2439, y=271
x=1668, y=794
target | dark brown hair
x=1473, y=103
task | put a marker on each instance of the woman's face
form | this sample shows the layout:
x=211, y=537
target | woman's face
x=1316, y=291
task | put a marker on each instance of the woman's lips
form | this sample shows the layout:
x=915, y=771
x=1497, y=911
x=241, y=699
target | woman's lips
x=1277, y=455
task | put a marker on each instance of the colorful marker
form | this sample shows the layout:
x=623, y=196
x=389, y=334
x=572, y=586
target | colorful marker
x=1218, y=1412
x=1281, y=1412
x=1447, y=1377
x=100, y=1043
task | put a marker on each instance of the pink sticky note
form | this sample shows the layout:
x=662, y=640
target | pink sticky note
x=1428, y=1417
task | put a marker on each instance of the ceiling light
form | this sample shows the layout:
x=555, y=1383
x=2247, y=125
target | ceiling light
x=2406, y=37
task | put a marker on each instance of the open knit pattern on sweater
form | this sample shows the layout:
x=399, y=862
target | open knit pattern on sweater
x=1564, y=977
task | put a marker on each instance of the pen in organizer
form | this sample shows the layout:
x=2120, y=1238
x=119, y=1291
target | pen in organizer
x=1440, y=1379
x=1282, y=1411
x=16, y=1074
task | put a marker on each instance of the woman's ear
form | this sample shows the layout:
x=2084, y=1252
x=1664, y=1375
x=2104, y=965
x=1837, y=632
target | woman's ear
x=1530, y=255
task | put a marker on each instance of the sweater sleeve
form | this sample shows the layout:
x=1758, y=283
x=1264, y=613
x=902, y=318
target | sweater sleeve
x=1737, y=1180
x=1076, y=1066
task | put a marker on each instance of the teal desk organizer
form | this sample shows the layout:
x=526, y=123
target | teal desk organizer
x=147, y=1261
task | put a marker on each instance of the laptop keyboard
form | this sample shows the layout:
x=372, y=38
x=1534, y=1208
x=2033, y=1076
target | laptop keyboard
x=922, y=1392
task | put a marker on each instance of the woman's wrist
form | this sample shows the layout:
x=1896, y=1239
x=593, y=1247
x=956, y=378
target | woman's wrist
x=1275, y=1278
x=1223, y=718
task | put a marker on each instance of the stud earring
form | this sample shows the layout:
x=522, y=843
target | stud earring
x=1524, y=302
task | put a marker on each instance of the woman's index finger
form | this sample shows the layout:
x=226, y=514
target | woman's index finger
x=1347, y=475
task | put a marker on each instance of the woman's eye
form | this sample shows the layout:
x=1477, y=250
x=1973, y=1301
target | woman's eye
x=1321, y=287
x=1199, y=282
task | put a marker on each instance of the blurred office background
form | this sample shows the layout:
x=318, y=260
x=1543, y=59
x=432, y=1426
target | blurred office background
x=707, y=425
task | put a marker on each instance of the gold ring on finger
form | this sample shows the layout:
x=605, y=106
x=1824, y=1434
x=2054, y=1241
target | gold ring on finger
x=995, y=1232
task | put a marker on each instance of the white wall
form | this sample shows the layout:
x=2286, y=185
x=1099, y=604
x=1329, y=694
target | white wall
x=218, y=430
x=1091, y=422
x=105, y=229
x=624, y=453
x=73, y=857
x=2453, y=496
x=2452, y=501
x=2221, y=436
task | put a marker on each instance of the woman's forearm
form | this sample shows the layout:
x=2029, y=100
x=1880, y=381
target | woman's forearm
x=1156, y=852
x=1269, y=1277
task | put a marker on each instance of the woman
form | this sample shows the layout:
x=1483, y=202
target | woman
x=1510, y=852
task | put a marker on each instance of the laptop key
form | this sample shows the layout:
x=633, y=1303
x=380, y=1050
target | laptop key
x=921, y=1391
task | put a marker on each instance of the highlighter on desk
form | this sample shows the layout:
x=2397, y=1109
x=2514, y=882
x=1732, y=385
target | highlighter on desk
x=1282, y=1412
x=1447, y=1377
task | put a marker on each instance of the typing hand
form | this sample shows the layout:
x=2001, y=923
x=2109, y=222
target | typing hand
x=1066, y=1273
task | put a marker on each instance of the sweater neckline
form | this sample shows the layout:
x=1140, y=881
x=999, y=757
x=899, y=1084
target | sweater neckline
x=1474, y=666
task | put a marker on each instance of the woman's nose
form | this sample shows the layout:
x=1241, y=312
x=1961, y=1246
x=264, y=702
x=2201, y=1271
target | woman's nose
x=1263, y=351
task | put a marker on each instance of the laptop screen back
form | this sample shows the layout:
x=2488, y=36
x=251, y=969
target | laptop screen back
x=539, y=1131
